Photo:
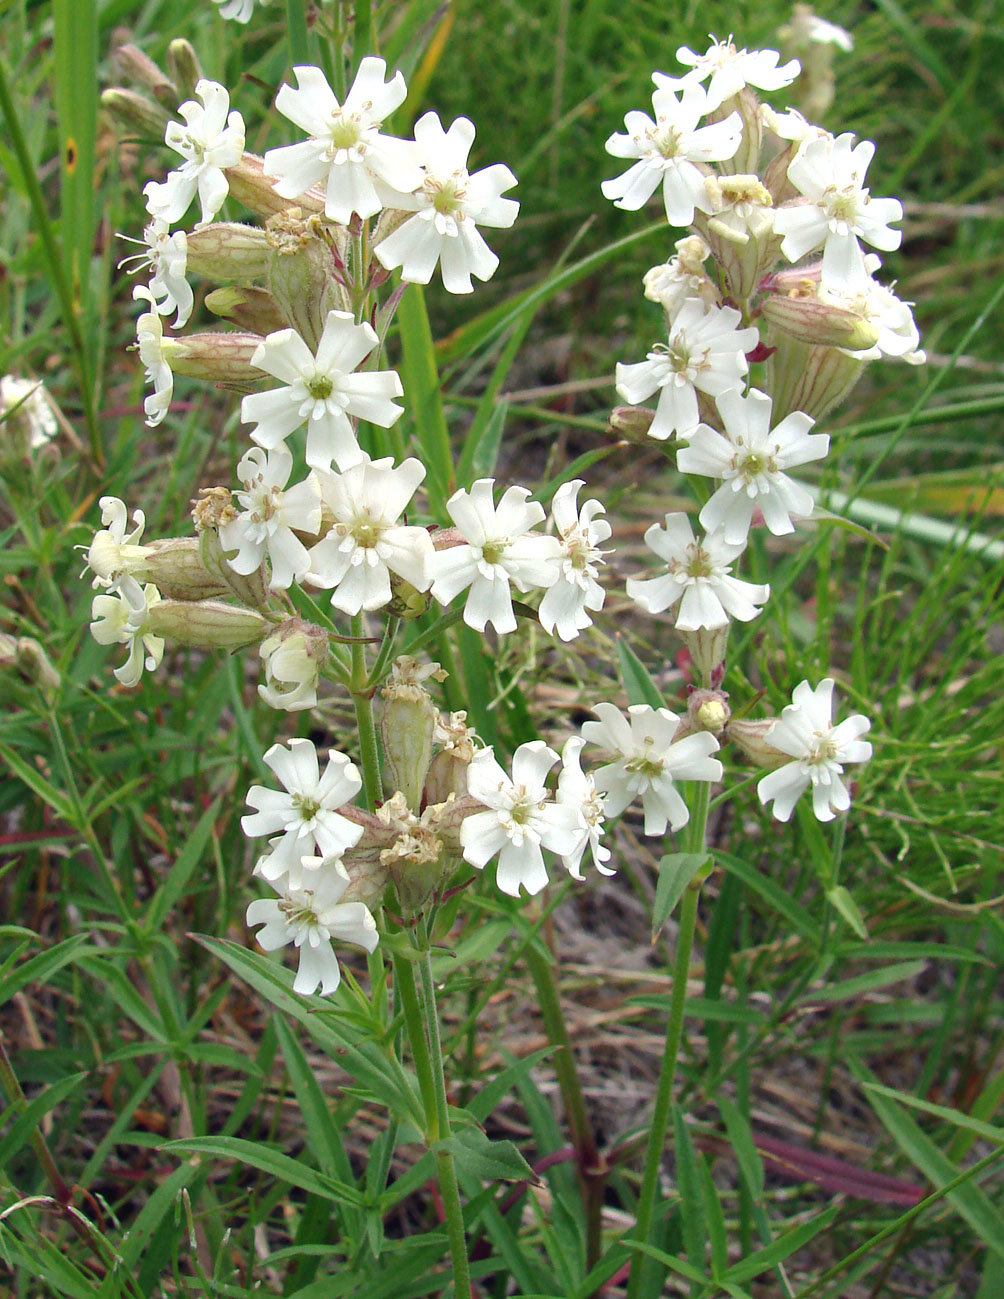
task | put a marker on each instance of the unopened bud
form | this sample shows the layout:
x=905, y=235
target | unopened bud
x=406, y=601
x=27, y=657
x=229, y=250
x=135, y=114
x=805, y=317
x=302, y=273
x=174, y=565
x=708, y=710
x=809, y=378
x=751, y=737
x=707, y=646
x=136, y=66
x=250, y=186
x=183, y=66
x=249, y=308
x=631, y=422
x=208, y=624
x=222, y=357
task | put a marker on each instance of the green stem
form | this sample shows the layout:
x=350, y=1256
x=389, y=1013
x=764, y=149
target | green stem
x=693, y=841
x=407, y=995
x=11, y=1088
x=362, y=700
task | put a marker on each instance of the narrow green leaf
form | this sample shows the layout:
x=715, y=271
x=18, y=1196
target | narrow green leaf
x=256, y=1155
x=487, y=1160
x=841, y=900
x=676, y=870
x=716, y=1221
x=774, y=895
x=483, y=1104
x=781, y=1248
x=37, y=969
x=484, y=449
x=988, y=1131
x=743, y=1146
x=423, y=397
x=691, y=1191
x=149, y=1218
x=75, y=52
x=848, y=989
x=638, y=685
x=322, y=1132
x=170, y=892
x=47, y=792
x=32, y=1114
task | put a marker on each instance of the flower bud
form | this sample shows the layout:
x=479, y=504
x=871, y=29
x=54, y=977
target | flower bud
x=631, y=422
x=294, y=656
x=751, y=737
x=229, y=250
x=302, y=273
x=707, y=646
x=183, y=66
x=248, y=308
x=174, y=565
x=213, y=509
x=808, y=378
x=134, y=65
x=708, y=710
x=406, y=601
x=223, y=357
x=135, y=114
x=26, y=656
x=811, y=320
x=250, y=186
x=407, y=724
x=206, y=624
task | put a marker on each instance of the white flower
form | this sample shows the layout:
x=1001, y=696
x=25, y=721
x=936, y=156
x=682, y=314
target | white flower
x=838, y=209
x=727, y=70
x=522, y=818
x=648, y=761
x=167, y=257
x=239, y=10
x=310, y=918
x=898, y=335
x=821, y=32
x=792, y=125
x=365, y=542
x=698, y=576
x=705, y=351
x=292, y=660
x=322, y=390
x=347, y=152
x=24, y=402
x=498, y=548
x=668, y=149
x=150, y=340
x=805, y=730
x=210, y=141
x=269, y=515
x=305, y=817
x=682, y=277
x=114, y=553
x=121, y=619
x=751, y=459
x=577, y=790
x=563, y=608
x=449, y=206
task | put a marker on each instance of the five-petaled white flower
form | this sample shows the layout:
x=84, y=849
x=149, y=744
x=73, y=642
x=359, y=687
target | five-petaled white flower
x=152, y=353
x=648, y=761
x=210, y=141
x=365, y=542
x=727, y=70
x=310, y=918
x=669, y=150
x=115, y=553
x=347, y=152
x=449, y=205
x=269, y=515
x=122, y=619
x=898, y=335
x=522, y=818
x=167, y=257
x=705, y=351
x=321, y=391
x=577, y=790
x=751, y=459
x=498, y=548
x=699, y=576
x=580, y=534
x=837, y=209
x=305, y=818
x=805, y=731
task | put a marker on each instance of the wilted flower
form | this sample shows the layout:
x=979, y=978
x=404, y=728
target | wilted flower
x=122, y=619
x=150, y=340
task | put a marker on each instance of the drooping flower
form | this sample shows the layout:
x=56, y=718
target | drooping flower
x=648, y=761
x=114, y=553
x=365, y=543
x=269, y=513
x=122, y=619
x=310, y=918
x=838, y=209
x=305, y=818
x=150, y=340
x=239, y=10
x=449, y=206
x=898, y=335
x=167, y=257
x=293, y=657
x=211, y=140
x=322, y=391
x=727, y=70
x=806, y=732
x=577, y=790
x=698, y=576
x=498, y=548
x=705, y=351
x=347, y=151
x=580, y=534
x=521, y=820
x=752, y=461
x=668, y=150
x=682, y=277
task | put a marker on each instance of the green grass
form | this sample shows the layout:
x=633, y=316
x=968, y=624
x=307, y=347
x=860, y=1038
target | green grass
x=119, y=811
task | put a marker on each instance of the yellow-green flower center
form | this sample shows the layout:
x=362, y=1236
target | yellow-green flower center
x=320, y=387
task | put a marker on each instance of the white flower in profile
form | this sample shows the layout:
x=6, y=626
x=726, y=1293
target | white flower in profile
x=305, y=818
x=498, y=548
x=268, y=516
x=150, y=341
x=705, y=351
x=805, y=732
x=727, y=70
x=682, y=277
x=668, y=150
x=365, y=543
x=115, y=553
x=837, y=208
x=239, y=10
x=122, y=619
x=648, y=762
x=322, y=391
x=449, y=206
x=167, y=257
x=898, y=335
x=698, y=576
x=821, y=32
x=24, y=402
x=347, y=151
x=577, y=790
x=752, y=460
x=310, y=918
x=580, y=534
x=521, y=820
x=210, y=141
x=791, y=125
x=292, y=657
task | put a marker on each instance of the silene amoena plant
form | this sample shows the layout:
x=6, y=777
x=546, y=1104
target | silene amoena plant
x=345, y=556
